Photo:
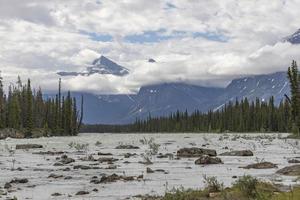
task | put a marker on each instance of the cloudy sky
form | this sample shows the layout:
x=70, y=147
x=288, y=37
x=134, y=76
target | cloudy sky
x=196, y=41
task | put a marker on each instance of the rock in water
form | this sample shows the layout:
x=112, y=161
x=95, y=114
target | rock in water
x=238, y=153
x=207, y=160
x=262, y=165
x=293, y=170
x=82, y=193
x=29, y=146
x=127, y=146
x=195, y=152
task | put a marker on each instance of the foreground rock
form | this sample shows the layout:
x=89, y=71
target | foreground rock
x=127, y=146
x=262, y=165
x=238, y=153
x=195, y=152
x=208, y=160
x=293, y=170
x=29, y=146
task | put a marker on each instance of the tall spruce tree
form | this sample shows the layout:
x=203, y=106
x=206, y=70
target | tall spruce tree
x=294, y=78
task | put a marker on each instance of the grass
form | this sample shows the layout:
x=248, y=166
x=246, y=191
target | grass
x=245, y=188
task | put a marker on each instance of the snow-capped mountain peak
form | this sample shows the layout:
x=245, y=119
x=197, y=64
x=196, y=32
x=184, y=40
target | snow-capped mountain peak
x=100, y=65
x=294, y=38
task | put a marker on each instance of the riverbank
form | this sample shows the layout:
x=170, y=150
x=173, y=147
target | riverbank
x=244, y=188
x=95, y=165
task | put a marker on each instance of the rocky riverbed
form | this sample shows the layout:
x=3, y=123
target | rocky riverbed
x=124, y=166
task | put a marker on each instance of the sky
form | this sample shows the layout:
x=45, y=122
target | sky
x=199, y=42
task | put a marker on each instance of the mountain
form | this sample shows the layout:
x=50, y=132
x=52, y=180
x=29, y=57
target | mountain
x=162, y=99
x=261, y=86
x=294, y=38
x=101, y=65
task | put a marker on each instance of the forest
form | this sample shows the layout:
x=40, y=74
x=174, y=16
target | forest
x=27, y=110
x=238, y=116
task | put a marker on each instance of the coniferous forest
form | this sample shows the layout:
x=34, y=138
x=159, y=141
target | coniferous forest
x=27, y=111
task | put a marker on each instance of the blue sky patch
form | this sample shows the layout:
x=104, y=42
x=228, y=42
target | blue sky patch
x=98, y=37
x=211, y=36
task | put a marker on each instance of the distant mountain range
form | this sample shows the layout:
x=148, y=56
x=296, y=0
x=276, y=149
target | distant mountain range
x=162, y=99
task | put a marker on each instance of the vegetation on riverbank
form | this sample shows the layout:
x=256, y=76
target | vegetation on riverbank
x=245, y=188
x=25, y=112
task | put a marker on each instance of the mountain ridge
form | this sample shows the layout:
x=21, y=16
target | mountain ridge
x=162, y=99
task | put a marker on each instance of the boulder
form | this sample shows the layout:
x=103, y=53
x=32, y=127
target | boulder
x=261, y=165
x=195, y=152
x=56, y=194
x=104, y=154
x=29, y=146
x=66, y=160
x=127, y=146
x=294, y=161
x=19, y=180
x=293, y=170
x=55, y=176
x=208, y=160
x=149, y=170
x=238, y=153
x=108, y=160
x=82, y=167
x=7, y=186
x=128, y=155
x=115, y=177
x=82, y=193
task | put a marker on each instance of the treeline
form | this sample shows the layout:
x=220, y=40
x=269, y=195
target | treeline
x=25, y=109
x=238, y=116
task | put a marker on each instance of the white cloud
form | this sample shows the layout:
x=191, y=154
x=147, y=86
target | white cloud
x=40, y=37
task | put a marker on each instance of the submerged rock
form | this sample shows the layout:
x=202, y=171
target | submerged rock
x=108, y=160
x=238, y=153
x=128, y=155
x=52, y=153
x=29, y=146
x=19, y=180
x=127, y=146
x=83, y=167
x=195, y=152
x=114, y=178
x=261, y=165
x=208, y=160
x=294, y=161
x=56, y=194
x=104, y=154
x=293, y=170
x=66, y=160
x=149, y=170
x=7, y=186
x=55, y=176
x=82, y=193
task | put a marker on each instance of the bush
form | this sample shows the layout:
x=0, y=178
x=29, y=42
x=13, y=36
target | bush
x=247, y=186
x=212, y=184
